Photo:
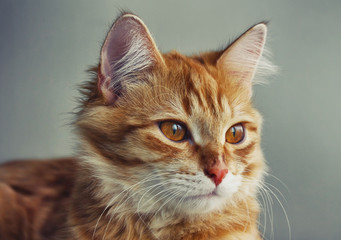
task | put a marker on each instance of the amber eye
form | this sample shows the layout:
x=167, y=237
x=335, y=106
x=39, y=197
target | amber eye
x=173, y=130
x=235, y=134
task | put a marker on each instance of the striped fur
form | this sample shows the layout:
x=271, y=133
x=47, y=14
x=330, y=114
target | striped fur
x=134, y=183
x=152, y=182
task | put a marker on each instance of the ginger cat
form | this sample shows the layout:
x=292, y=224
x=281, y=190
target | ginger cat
x=169, y=149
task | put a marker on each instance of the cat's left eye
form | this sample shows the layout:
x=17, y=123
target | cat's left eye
x=173, y=130
x=235, y=134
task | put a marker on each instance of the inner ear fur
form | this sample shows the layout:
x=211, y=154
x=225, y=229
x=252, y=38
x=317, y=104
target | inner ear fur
x=240, y=60
x=128, y=51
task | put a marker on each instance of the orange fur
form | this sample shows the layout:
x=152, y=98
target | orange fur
x=134, y=183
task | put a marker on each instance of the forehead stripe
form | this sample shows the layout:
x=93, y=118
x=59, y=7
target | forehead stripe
x=186, y=105
x=191, y=89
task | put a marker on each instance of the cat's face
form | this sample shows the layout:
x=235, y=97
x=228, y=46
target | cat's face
x=169, y=133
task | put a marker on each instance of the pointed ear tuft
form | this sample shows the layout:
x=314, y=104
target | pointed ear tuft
x=127, y=52
x=239, y=62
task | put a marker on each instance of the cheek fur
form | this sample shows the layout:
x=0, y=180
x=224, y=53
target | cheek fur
x=164, y=172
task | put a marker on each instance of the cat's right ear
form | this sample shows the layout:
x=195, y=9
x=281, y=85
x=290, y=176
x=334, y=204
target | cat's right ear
x=241, y=60
x=128, y=51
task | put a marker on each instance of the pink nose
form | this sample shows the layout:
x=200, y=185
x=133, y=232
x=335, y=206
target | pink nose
x=216, y=174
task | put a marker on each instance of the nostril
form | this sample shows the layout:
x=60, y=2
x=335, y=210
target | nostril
x=216, y=174
x=208, y=174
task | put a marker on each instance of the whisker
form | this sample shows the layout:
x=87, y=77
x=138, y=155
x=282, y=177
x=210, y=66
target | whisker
x=279, y=180
x=181, y=200
x=126, y=191
x=277, y=190
x=267, y=188
x=169, y=199
x=283, y=209
x=265, y=213
x=270, y=211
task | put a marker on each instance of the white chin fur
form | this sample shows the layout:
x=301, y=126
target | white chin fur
x=229, y=185
x=206, y=200
x=221, y=196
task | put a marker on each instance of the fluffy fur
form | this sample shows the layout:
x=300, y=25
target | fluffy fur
x=130, y=181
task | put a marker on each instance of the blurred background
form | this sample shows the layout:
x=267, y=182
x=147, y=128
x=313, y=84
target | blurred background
x=46, y=46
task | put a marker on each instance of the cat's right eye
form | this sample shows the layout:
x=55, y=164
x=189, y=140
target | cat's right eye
x=173, y=130
x=235, y=134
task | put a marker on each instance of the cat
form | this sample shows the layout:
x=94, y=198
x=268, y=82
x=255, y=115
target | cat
x=169, y=148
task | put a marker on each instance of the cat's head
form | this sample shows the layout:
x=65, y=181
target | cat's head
x=168, y=132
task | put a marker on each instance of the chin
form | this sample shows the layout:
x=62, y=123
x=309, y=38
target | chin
x=204, y=205
x=217, y=200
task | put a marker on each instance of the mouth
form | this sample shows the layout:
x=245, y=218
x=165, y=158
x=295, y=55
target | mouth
x=202, y=196
x=201, y=203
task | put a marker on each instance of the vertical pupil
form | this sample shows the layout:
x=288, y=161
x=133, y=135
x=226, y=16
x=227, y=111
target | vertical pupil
x=234, y=131
x=174, y=128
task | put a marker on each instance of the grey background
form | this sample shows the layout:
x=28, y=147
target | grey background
x=45, y=46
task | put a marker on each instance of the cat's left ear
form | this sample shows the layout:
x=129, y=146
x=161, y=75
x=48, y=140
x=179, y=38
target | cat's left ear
x=240, y=60
x=128, y=52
